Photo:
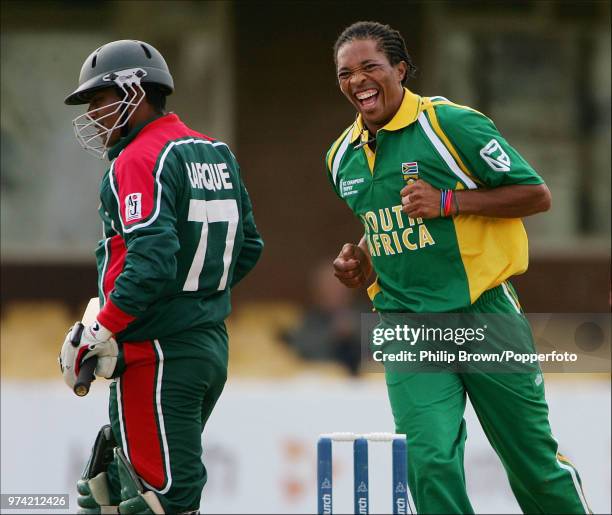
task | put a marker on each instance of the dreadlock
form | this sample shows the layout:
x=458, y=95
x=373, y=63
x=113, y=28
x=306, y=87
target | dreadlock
x=389, y=41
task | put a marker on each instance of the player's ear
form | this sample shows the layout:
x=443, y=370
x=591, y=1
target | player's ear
x=401, y=69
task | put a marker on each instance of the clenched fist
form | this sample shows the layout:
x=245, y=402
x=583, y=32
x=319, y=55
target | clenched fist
x=420, y=200
x=352, y=266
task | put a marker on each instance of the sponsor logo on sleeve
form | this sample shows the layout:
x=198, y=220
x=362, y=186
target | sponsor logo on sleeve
x=495, y=156
x=133, y=207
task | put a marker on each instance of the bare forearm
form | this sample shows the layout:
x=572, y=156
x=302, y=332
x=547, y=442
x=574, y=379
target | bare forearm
x=505, y=202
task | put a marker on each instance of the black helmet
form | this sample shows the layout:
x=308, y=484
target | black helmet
x=98, y=68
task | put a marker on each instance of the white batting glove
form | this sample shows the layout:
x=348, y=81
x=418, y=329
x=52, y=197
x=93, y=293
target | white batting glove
x=95, y=340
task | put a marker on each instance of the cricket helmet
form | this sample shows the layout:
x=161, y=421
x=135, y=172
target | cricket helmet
x=125, y=65
x=111, y=59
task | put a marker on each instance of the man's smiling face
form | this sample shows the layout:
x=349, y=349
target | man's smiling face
x=370, y=82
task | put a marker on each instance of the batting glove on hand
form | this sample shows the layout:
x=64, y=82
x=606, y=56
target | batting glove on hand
x=94, y=340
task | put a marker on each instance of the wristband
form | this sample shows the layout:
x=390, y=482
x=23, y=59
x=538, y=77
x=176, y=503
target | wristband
x=443, y=194
x=114, y=318
x=446, y=202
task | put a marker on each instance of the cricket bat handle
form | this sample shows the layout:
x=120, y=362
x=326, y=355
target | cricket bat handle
x=86, y=373
x=85, y=377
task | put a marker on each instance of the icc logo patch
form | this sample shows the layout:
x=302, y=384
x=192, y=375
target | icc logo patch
x=133, y=207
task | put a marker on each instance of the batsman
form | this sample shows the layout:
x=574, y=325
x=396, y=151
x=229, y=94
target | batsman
x=178, y=235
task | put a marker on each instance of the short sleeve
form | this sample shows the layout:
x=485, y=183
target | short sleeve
x=483, y=149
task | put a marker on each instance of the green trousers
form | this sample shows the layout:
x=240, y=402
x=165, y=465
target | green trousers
x=428, y=407
x=159, y=406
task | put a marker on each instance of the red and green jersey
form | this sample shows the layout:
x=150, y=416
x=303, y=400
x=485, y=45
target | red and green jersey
x=441, y=264
x=179, y=231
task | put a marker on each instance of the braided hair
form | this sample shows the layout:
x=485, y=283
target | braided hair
x=389, y=41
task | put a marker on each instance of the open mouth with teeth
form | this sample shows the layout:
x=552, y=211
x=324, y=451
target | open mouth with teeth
x=367, y=98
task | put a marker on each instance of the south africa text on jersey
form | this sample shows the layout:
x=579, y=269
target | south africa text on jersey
x=390, y=232
x=207, y=176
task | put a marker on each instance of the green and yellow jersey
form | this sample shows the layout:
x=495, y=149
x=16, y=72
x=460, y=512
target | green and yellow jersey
x=442, y=264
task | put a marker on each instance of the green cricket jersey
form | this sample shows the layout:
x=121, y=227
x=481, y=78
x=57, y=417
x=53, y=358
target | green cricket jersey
x=179, y=231
x=442, y=264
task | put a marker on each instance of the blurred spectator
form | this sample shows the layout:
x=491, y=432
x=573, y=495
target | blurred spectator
x=330, y=328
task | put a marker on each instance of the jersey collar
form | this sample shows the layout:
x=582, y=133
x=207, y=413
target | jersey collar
x=116, y=149
x=407, y=113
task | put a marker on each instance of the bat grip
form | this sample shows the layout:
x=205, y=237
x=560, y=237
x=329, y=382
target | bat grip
x=86, y=376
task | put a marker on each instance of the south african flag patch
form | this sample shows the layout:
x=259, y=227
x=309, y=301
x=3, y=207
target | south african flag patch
x=410, y=170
